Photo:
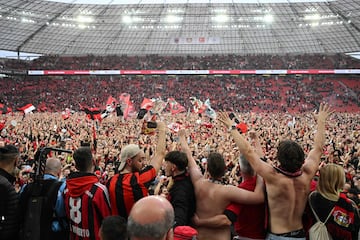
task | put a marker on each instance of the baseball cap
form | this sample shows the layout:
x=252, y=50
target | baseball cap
x=127, y=152
x=185, y=233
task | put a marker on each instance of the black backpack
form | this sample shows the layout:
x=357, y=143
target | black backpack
x=38, y=203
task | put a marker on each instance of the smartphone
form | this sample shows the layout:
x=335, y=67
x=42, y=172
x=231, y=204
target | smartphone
x=151, y=125
x=231, y=116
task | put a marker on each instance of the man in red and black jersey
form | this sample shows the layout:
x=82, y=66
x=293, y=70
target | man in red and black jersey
x=86, y=199
x=133, y=179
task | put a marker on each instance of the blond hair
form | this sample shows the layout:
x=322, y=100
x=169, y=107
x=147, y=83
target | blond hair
x=331, y=181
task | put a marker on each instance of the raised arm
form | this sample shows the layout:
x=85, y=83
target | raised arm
x=257, y=145
x=158, y=158
x=245, y=147
x=242, y=196
x=194, y=170
x=313, y=160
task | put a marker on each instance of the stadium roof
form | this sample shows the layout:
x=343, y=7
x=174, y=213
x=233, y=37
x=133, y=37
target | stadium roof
x=180, y=27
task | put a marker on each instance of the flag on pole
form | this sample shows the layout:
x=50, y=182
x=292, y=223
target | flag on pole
x=209, y=111
x=27, y=108
x=198, y=106
x=111, y=104
x=175, y=107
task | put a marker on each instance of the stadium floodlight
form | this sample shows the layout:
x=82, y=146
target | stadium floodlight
x=82, y=26
x=173, y=19
x=84, y=19
x=312, y=17
x=136, y=19
x=175, y=11
x=221, y=18
x=127, y=19
x=315, y=24
x=268, y=18
x=219, y=10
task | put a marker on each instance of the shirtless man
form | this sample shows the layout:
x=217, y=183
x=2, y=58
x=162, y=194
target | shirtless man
x=287, y=185
x=211, y=196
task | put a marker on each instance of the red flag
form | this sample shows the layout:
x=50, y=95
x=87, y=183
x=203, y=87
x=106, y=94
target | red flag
x=27, y=108
x=147, y=104
x=111, y=104
x=2, y=124
x=92, y=113
x=111, y=101
x=131, y=110
x=175, y=107
x=125, y=102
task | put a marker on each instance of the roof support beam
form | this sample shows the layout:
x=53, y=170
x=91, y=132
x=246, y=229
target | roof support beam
x=346, y=19
x=68, y=6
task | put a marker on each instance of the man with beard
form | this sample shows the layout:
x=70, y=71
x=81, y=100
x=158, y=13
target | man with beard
x=134, y=178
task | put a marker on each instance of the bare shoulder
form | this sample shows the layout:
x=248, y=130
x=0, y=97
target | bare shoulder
x=229, y=191
x=268, y=173
x=309, y=167
x=202, y=185
x=287, y=186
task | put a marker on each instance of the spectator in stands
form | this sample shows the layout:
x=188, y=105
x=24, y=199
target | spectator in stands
x=287, y=185
x=86, y=199
x=113, y=228
x=344, y=220
x=151, y=218
x=211, y=196
x=134, y=178
x=9, y=201
x=181, y=193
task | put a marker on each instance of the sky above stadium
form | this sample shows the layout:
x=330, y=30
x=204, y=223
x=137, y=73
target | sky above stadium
x=181, y=1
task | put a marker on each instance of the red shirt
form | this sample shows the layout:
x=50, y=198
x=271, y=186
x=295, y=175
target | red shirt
x=86, y=205
x=250, y=218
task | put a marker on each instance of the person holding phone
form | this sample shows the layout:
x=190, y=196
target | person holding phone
x=132, y=182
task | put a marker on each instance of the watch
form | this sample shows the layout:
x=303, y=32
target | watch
x=232, y=127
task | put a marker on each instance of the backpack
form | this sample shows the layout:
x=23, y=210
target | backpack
x=38, y=202
x=318, y=231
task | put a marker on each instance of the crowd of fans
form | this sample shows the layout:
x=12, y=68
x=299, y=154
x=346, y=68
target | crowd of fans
x=50, y=129
x=275, y=107
x=237, y=93
x=107, y=138
x=240, y=93
x=156, y=62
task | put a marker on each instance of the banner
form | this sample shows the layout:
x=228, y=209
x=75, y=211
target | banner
x=195, y=40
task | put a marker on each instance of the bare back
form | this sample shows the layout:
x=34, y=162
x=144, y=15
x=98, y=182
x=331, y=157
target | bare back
x=287, y=198
x=211, y=201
